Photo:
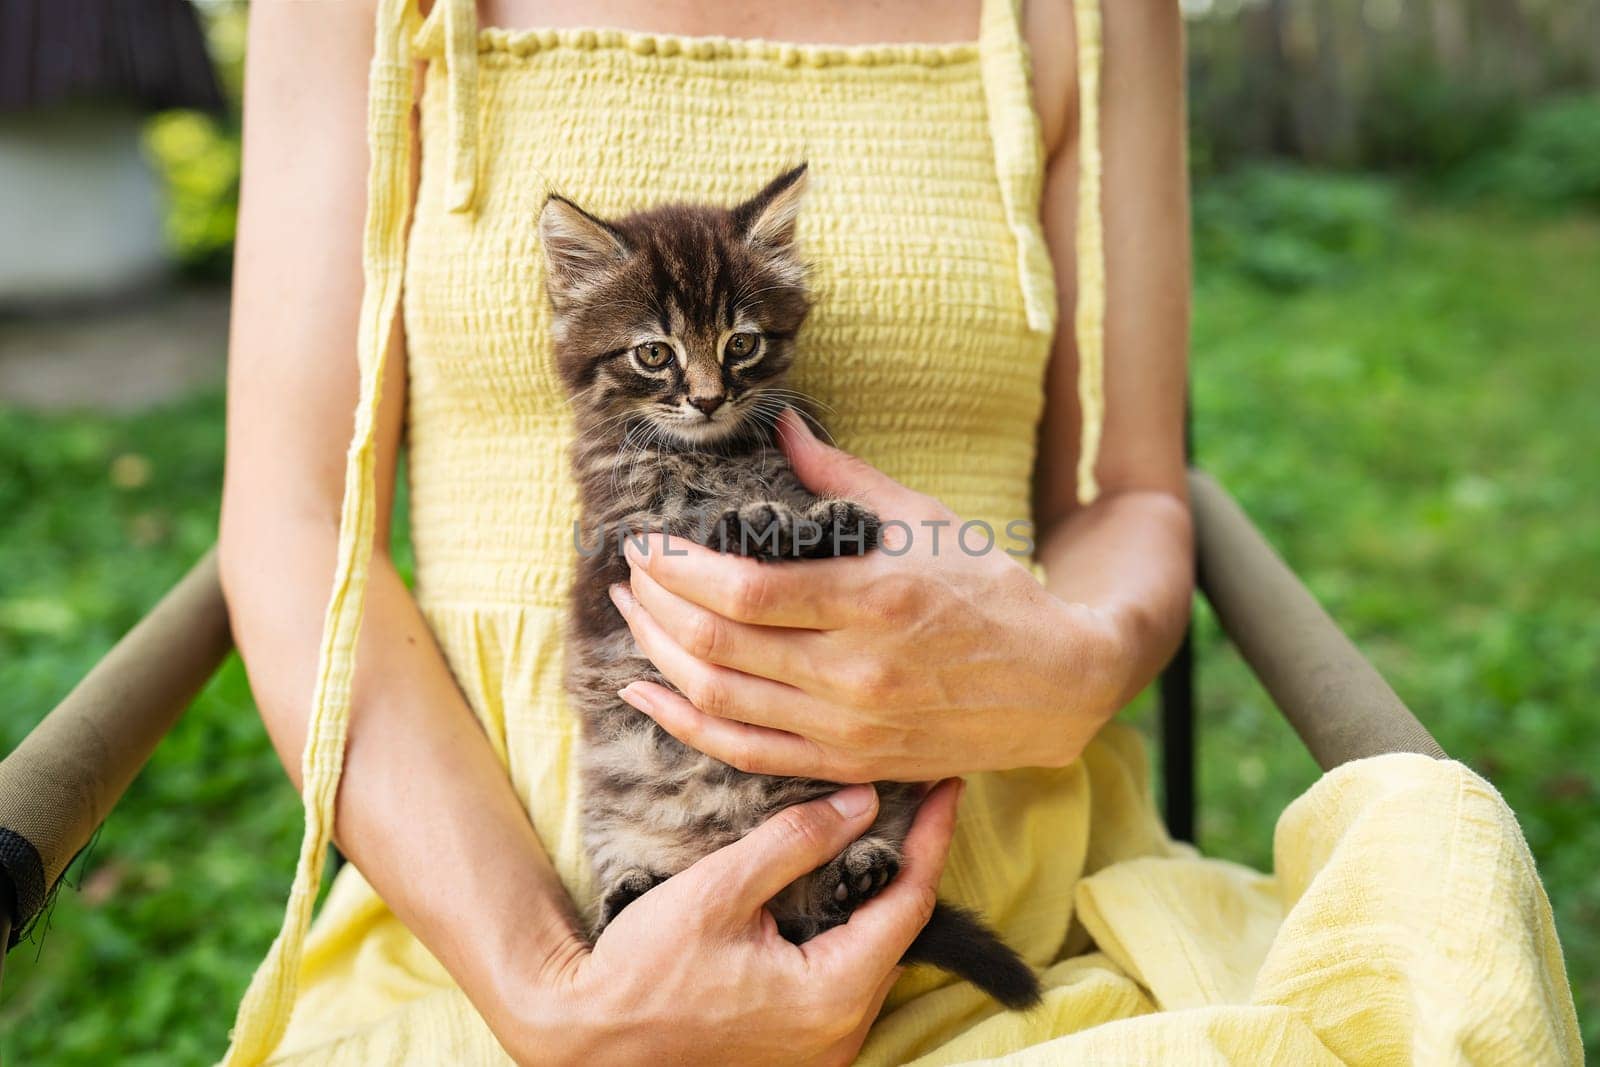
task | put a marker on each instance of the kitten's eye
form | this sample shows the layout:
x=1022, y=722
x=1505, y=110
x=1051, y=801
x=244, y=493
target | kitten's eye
x=741, y=345
x=653, y=354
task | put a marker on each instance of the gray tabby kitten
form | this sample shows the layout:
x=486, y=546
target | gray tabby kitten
x=674, y=329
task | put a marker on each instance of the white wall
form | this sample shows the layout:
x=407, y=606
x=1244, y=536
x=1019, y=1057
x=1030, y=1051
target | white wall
x=79, y=206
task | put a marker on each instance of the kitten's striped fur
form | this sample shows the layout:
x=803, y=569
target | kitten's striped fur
x=674, y=329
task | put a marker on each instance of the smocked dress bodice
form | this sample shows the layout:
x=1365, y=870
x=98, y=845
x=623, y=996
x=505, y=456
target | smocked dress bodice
x=921, y=349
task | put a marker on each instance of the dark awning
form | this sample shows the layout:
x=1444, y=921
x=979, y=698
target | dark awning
x=150, y=53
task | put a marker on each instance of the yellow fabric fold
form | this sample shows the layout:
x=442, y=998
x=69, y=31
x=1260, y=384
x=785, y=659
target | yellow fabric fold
x=264, y=1012
x=456, y=22
x=1018, y=153
x=1415, y=927
x=461, y=48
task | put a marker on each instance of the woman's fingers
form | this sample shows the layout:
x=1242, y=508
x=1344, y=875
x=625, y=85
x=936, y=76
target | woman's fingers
x=779, y=653
x=740, y=878
x=808, y=594
x=884, y=927
x=715, y=690
x=753, y=749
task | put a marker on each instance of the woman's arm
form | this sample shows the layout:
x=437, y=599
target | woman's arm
x=425, y=810
x=924, y=664
x=1129, y=554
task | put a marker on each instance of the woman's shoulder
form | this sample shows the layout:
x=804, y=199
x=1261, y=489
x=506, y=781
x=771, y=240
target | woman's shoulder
x=1047, y=26
x=1051, y=33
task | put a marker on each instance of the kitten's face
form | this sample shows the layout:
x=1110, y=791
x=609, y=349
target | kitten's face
x=677, y=325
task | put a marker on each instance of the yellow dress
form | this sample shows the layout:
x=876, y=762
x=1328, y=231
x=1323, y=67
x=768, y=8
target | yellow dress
x=1405, y=923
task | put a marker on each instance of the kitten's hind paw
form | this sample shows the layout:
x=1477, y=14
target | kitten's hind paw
x=858, y=874
x=829, y=895
x=633, y=884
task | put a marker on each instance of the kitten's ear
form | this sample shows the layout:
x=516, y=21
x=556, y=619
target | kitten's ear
x=576, y=244
x=768, y=218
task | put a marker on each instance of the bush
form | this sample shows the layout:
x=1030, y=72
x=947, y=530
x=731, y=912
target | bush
x=1551, y=161
x=197, y=157
x=1288, y=229
x=1415, y=118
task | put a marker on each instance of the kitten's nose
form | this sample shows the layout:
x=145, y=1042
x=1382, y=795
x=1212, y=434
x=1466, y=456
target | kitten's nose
x=707, y=404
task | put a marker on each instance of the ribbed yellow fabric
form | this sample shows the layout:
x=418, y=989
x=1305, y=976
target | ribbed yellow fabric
x=1091, y=255
x=1019, y=157
x=928, y=347
x=460, y=54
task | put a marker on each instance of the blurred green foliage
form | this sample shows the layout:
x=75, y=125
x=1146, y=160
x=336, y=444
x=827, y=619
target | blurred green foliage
x=1287, y=228
x=197, y=156
x=1411, y=420
x=1421, y=121
x=1421, y=86
x=1550, y=162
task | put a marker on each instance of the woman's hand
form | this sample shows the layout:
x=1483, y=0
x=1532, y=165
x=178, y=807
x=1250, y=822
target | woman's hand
x=695, y=969
x=925, y=658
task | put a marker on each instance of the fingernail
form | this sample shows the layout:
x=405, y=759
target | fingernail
x=796, y=422
x=635, y=696
x=853, y=800
x=622, y=597
x=633, y=554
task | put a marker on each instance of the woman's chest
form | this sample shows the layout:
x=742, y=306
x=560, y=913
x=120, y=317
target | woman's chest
x=914, y=267
x=1046, y=26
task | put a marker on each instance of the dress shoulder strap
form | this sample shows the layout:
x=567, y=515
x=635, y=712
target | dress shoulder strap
x=460, y=53
x=1018, y=152
x=264, y=1013
x=1019, y=165
x=1090, y=319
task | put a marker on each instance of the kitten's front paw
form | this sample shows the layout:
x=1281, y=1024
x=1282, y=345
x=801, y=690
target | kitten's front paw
x=847, y=528
x=762, y=530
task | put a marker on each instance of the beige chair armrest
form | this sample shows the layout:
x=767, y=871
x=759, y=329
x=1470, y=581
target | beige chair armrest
x=63, y=780
x=1336, y=701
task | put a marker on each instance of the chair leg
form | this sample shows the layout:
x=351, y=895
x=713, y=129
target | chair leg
x=1177, y=739
x=8, y=909
x=1177, y=704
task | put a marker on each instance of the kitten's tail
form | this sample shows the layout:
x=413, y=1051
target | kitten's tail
x=955, y=940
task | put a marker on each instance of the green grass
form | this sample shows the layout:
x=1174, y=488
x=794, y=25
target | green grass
x=184, y=887
x=1417, y=431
